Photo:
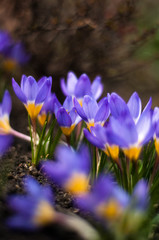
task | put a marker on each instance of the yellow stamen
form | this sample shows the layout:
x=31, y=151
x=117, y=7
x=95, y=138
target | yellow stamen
x=4, y=125
x=132, y=153
x=90, y=124
x=33, y=110
x=110, y=210
x=68, y=130
x=112, y=151
x=44, y=214
x=77, y=184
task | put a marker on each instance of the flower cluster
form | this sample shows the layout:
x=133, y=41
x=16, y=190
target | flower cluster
x=108, y=156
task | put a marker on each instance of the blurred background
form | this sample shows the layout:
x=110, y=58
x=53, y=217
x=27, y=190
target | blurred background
x=116, y=39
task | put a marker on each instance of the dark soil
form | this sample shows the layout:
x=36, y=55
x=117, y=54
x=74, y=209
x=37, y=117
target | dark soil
x=14, y=166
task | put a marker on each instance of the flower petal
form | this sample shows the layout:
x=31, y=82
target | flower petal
x=71, y=82
x=134, y=105
x=63, y=119
x=145, y=127
x=83, y=86
x=6, y=103
x=43, y=91
x=97, y=87
x=68, y=103
x=148, y=105
x=93, y=139
x=79, y=109
x=23, y=80
x=90, y=107
x=123, y=131
x=103, y=112
x=18, y=91
x=118, y=106
x=30, y=88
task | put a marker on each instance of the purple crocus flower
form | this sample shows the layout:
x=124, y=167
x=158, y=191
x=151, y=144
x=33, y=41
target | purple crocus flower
x=81, y=87
x=101, y=138
x=16, y=53
x=128, y=129
x=67, y=116
x=32, y=93
x=33, y=210
x=92, y=112
x=71, y=171
x=5, y=129
x=108, y=202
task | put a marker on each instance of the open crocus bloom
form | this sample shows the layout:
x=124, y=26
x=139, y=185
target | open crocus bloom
x=81, y=87
x=67, y=116
x=106, y=200
x=33, y=210
x=71, y=171
x=112, y=205
x=32, y=93
x=92, y=112
x=5, y=128
x=127, y=129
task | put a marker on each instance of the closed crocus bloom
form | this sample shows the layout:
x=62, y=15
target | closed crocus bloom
x=92, y=112
x=101, y=138
x=81, y=87
x=67, y=116
x=128, y=133
x=32, y=93
x=5, y=128
x=33, y=210
x=71, y=170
